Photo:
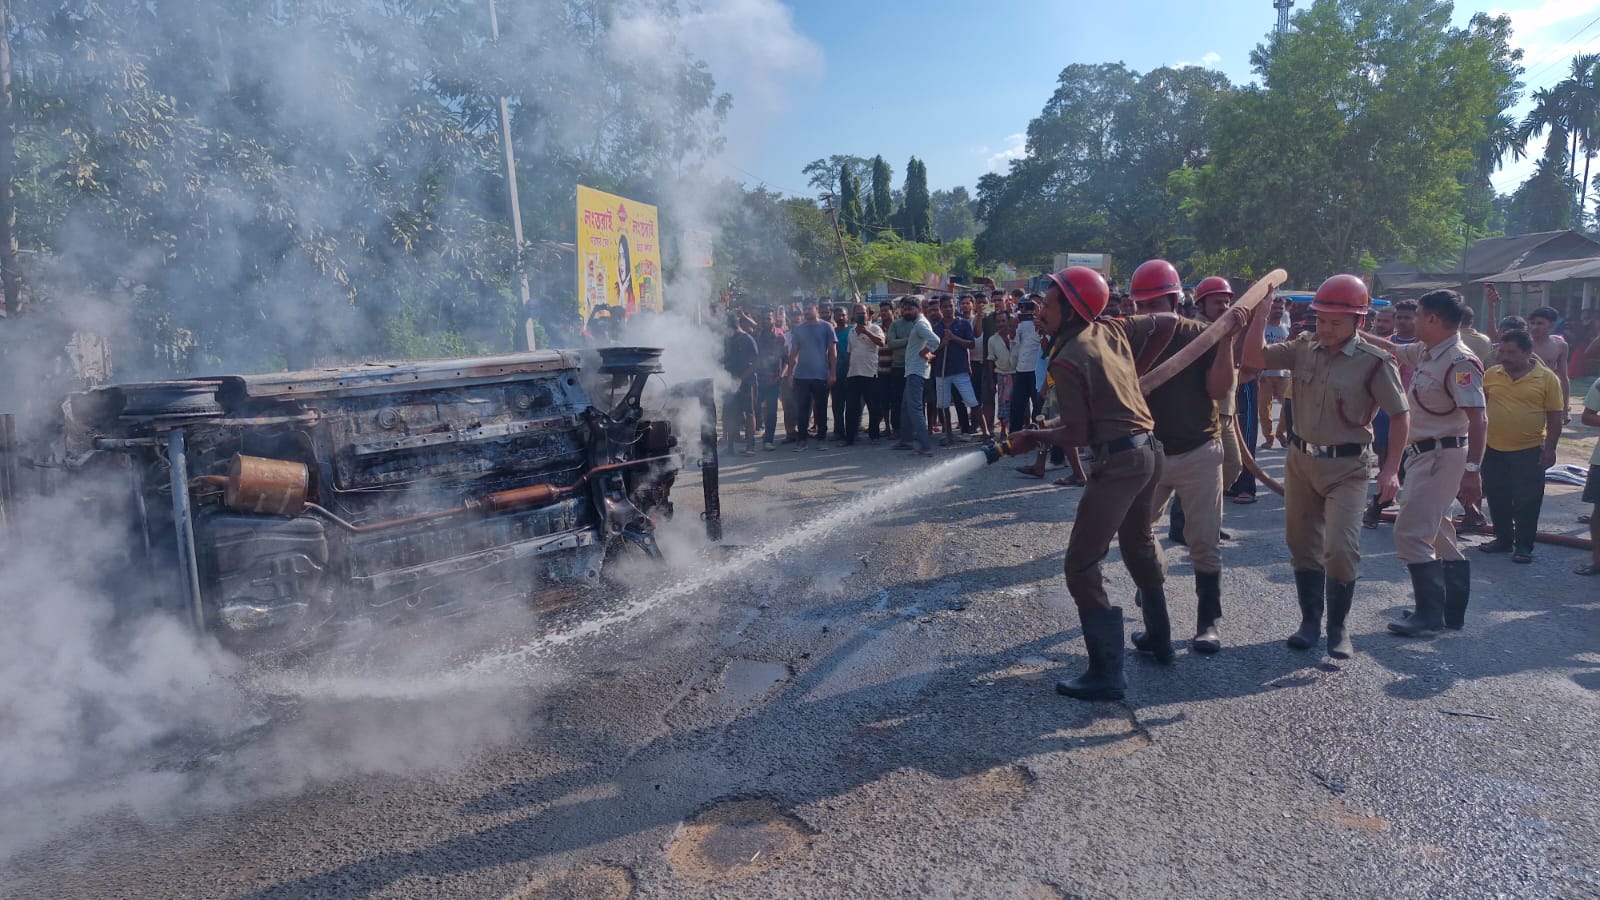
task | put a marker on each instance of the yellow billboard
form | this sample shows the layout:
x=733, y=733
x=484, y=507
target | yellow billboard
x=619, y=253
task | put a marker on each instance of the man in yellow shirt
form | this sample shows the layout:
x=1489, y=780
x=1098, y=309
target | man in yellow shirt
x=1526, y=407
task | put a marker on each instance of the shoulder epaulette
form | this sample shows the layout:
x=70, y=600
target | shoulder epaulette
x=1373, y=350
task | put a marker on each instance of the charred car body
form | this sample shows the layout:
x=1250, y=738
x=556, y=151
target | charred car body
x=267, y=508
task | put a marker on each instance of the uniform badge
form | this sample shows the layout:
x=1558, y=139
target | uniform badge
x=1463, y=379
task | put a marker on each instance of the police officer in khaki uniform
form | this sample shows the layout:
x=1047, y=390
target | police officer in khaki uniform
x=1447, y=443
x=1186, y=416
x=1097, y=390
x=1340, y=382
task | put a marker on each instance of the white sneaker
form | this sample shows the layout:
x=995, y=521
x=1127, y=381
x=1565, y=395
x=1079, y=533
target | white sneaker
x=768, y=447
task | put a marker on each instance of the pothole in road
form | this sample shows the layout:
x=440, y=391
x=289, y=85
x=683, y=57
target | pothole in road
x=991, y=793
x=593, y=882
x=736, y=840
x=744, y=680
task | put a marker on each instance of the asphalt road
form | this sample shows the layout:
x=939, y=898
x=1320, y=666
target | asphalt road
x=871, y=714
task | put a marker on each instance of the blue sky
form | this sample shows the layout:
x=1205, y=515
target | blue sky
x=956, y=83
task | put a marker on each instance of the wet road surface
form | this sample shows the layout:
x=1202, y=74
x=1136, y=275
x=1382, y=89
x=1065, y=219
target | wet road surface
x=872, y=714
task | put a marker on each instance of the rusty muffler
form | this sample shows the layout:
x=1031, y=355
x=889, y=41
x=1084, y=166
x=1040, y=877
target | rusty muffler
x=275, y=487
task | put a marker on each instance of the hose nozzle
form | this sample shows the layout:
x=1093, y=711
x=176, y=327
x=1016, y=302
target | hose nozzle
x=994, y=450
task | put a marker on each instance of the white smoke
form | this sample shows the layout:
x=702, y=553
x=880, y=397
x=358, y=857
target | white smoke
x=110, y=711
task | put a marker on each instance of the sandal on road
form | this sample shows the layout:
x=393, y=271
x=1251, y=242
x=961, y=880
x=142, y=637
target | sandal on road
x=1587, y=569
x=1072, y=481
x=1244, y=498
x=1028, y=471
x=1523, y=558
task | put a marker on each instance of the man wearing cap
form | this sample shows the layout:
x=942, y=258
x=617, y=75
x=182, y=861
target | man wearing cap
x=1340, y=381
x=1097, y=389
x=1185, y=410
x=1447, y=428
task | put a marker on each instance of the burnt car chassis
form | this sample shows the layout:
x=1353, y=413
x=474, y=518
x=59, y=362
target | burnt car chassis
x=269, y=508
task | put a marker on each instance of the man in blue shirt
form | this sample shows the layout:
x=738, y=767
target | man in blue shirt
x=813, y=354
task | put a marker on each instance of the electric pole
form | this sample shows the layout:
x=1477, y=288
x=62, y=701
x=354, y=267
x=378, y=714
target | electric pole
x=833, y=216
x=511, y=190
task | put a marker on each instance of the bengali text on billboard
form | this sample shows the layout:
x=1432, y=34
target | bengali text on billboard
x=619, y=253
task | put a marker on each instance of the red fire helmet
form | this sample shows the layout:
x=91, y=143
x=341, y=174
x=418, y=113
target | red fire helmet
x=1153, y=279
x=1216, y=284
x=1084, y=289
x=1342, y=294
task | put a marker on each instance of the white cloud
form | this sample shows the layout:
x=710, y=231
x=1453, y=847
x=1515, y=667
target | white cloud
x=999, y=161
x=1208, y=61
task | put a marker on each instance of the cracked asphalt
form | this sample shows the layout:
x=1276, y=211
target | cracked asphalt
x=873, y=715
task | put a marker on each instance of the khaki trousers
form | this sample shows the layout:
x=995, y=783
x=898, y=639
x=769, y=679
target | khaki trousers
x=1424, y=531
x=1322, y=504
x=1232, y=465
x=1269, y=388
x=1115, y=502
x=1196, y=477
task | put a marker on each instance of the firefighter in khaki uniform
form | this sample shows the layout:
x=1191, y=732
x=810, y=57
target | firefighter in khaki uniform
x=1447, y=443
x=1097, y=390
x=1340, y=382
x=1187, y=423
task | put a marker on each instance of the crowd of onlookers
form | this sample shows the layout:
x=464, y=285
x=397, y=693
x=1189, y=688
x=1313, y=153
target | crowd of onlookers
x=957, y=367
x=920, y=367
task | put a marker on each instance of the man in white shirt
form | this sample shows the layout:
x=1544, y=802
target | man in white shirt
x=1025, y=388
x=919, y=354
x=1271, y=383
x=861, y=378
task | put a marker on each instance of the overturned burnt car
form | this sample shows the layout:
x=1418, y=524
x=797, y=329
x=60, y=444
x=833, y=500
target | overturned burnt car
x=269, y=508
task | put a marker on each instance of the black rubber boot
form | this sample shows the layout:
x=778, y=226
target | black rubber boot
x=1102, y=635
x=1308, y=584
x=1427, y=582
x=1156, y=638
x=1340, y=595
x=1457, y=591
x=1208, y=609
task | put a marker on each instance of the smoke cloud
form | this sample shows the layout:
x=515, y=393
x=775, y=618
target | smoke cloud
x=384, y=221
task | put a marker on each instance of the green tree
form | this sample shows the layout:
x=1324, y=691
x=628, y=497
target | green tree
x=953, y=214
x=321, y=179
x=850, y=214
x=1356, y=140
x=1545, y=202
x=880, y=206
x=823, y=174
x=1099, y=155
x=917, y=214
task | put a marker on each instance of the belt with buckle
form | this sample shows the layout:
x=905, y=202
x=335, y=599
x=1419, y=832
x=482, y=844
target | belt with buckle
x=1327, y=451
x=1121, y=444
x=1446, y=443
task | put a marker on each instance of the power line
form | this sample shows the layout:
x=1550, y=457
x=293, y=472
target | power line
x=1558, y=62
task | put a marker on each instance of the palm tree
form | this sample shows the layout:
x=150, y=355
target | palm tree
x=1501, y=137
x=1549, y=112
x=1582, y=93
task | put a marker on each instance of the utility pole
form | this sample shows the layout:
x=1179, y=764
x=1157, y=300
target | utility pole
x=1283, y=7
x=511, y=189
x=833, y=216
x=10, y=278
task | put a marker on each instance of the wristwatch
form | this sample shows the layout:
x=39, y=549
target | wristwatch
x=1473, y=468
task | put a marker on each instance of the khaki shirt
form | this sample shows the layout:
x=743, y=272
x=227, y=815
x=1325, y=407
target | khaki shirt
x=1480, y=345
x=1337, y=392
x=1096, y=379
x=1448, y=380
